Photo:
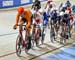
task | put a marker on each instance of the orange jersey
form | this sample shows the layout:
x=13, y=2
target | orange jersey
x=27, y=15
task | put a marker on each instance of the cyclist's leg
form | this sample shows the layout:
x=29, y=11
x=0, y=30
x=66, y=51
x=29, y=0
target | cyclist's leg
x=55, y=30
x=62, y=33
x=68, y=29
x=28, y=36
x=52, y=33
x=28, y=42
x=45, y=25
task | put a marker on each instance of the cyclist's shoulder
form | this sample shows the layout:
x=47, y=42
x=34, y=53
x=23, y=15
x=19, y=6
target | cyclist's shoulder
x=27, y=10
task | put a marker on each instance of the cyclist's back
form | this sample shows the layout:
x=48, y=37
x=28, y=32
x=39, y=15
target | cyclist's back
x=27, y=14
x=66, y=19
x=54, y=17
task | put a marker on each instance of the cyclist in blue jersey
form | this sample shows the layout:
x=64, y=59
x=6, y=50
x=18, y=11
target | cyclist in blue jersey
x=45, y=19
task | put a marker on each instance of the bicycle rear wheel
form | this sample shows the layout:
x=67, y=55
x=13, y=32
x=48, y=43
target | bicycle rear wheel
x=18, y=45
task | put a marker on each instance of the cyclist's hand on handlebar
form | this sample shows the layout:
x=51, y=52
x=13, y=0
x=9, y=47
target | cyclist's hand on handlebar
x=15, y=26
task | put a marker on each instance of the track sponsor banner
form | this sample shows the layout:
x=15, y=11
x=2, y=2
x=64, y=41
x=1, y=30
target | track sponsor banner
x=0, y=3
x=15, y=3
x=24, y=1
x=7, y=3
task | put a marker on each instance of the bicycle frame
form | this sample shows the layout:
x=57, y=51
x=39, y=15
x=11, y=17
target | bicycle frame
x=21, y=42
x=21, y=34
x=36, y=35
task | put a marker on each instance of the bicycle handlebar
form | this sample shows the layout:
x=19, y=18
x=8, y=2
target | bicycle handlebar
x=21, y=25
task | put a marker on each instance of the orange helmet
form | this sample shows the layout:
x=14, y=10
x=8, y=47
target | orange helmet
x=21, y=9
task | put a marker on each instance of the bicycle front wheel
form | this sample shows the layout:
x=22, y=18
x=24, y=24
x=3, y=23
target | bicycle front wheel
x=18, y=45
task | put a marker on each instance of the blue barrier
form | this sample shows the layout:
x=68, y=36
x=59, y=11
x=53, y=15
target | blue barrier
x=14, y=3
x=42, y=0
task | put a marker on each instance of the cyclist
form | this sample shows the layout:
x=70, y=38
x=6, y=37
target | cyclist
x=68, y=4
x=45, y=23
x=25, y=15
x=66, y=21
x=37, y=4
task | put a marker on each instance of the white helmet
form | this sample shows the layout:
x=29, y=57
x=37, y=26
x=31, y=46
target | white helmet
x=61, y=13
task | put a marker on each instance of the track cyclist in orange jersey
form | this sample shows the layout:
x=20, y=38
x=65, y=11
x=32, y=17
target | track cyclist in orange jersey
x=26, y=17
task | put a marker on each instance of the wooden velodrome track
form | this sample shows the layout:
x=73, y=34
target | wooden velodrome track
x=8, y=39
